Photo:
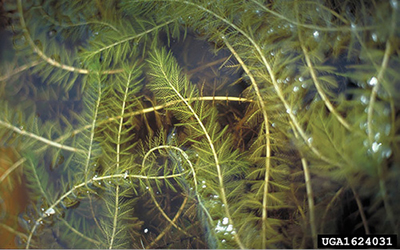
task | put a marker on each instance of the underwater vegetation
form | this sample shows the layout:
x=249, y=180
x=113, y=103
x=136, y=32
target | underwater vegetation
x=199, y=124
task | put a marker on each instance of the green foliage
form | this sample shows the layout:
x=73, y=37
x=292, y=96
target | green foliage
x=126, y=142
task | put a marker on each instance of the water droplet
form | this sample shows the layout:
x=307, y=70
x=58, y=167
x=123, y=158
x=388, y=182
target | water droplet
x=316, y=34
x=296, y=88
x=310, y=140
x=223, y=240
x=204, y=186
x=225, y=221
x=126, y=174
x=353, y=26
x=373, y=81
x=147, y=187
x=146, y=230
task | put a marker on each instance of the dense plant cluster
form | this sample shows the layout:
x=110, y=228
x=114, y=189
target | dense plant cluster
x=195, y=124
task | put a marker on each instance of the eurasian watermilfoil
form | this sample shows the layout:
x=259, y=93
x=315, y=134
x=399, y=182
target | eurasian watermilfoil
x=285, y=116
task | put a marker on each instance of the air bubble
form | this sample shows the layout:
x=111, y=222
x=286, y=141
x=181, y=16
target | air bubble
x=376, y=146
x=387, y=129
x=49, y=212
x=316, y=34
x=52, y=32
x=373, y=81
x=387, y=152
x=225, y=221
x=374, y=37
x=296, y=88
x=394, y=4
x=310, y=140
x=146, y=230
x=386, y=111
x=287, y=79
x=364, y=99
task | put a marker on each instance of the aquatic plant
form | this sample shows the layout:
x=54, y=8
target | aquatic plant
x=192, y=124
